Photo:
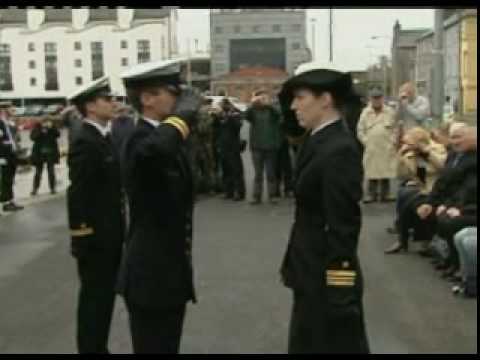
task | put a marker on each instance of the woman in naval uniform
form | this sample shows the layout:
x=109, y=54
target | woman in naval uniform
x=321, y=265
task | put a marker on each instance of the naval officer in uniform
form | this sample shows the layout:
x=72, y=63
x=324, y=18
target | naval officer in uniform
x=95, y=215
x=321, y=265
x=156, y=278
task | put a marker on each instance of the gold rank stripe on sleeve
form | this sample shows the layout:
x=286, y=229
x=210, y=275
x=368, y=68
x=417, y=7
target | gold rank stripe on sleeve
x=180, y=125
x=82, y=232
x=341, y=283
x=341, y=273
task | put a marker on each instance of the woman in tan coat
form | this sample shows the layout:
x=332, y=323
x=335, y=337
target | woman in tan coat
x=377, y=132
x=420, y=162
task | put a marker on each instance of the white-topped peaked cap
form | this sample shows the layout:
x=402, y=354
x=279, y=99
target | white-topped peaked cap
x=99, y=87
x=167, y=71
x=317, y=65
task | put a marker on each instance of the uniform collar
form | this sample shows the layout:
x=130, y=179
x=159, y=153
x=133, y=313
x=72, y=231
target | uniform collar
x=323, y=126
x=154, y=123
x=103, y=130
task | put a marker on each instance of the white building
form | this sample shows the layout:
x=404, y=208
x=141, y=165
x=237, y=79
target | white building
x=47, y=54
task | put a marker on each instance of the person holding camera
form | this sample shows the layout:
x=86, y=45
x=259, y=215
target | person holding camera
x=45, y=151
x=231, y=146
x=421, y=161
x=265, y=140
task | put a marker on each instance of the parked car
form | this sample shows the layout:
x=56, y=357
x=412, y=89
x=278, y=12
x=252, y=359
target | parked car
x=34, y=110
x=52, y=109
x=20, y=111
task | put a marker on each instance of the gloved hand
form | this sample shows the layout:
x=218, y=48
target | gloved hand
x=187, y=106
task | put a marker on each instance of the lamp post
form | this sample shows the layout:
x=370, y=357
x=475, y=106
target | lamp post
x=314, y=29
x=384, y=64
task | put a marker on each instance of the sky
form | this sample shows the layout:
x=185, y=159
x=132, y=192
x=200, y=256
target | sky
x=354, y=47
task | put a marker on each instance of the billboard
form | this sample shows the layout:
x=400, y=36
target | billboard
x=258, y=53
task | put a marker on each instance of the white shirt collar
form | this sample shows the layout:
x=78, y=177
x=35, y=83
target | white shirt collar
x=154, y=123
x=324, y=125
x=103, y=130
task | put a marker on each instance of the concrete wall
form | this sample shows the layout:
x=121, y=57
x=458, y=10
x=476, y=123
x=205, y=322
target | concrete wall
x=265, y=20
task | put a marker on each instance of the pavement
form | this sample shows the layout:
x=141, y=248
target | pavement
x=243, y=308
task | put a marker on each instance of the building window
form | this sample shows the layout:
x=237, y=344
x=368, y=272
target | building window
x=296, y=46
x=6, y=83
x=31, y=46
x=33, y=81
x=32, y=64
x=78, y=45
x=97, y=60
x=78, y=63
x=124, y=61
x=277, y=28
x=124, y=44
x=218, y=30
x=78, y=81
x=256, y=29
x=51, y=67
x=220, y=67
x=297, y=27
x=143, y=51
x=237, y=29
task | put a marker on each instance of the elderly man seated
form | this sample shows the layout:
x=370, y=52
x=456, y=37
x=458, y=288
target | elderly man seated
x=420, y=163
x=453, y=200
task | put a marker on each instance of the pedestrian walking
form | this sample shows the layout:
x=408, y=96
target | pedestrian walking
x=95, y=216
x=156, y=278
x=321, y=265
x=377, y=133
x=45, y=151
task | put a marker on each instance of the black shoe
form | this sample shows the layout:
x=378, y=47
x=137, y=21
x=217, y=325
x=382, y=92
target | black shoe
x=12, y=207
x=425, y=253
x=395, y=249
x=392, y=231
x=442, y=266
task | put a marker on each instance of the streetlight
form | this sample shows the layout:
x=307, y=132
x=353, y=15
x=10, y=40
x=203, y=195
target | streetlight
x=314, y=21
x=384, y=63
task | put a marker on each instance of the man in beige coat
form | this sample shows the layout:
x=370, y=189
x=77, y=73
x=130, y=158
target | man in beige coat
x=377, y=132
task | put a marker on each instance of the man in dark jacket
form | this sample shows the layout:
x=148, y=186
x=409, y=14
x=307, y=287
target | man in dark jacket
x=448, y=192
x=45, y=152
x=95, y=216
x=156, y=278
x=8, y=158
x=230, y=145
x=264, y=143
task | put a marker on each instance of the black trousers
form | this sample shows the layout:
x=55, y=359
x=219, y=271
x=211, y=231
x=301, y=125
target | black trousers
x=98, y=274
x=316, y=329
x=284, y=169
x=156, y=331
x=233, y=173
x=447, y=228
x=39, y=172
x=373, y=190
x=7, y=181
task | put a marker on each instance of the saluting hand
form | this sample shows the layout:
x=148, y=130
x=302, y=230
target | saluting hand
x=187, y=106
